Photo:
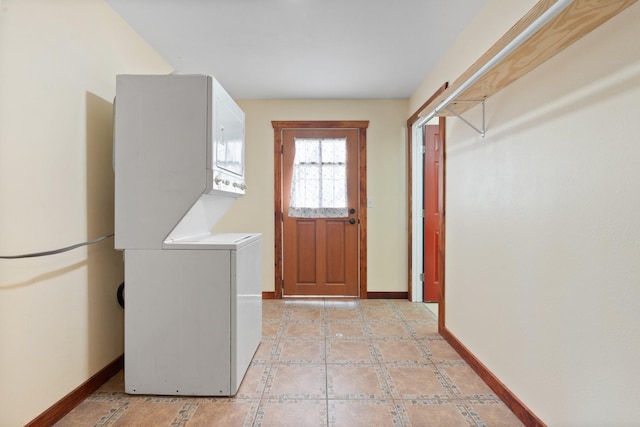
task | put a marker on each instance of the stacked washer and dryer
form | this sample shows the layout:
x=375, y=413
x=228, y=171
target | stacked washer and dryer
x=193, y=311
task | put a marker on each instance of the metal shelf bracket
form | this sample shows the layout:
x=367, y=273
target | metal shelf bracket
x=481, y=131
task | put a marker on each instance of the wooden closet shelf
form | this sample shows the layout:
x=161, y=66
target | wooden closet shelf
x=579, y=18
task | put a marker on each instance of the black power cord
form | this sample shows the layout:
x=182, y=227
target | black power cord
x=120, y=295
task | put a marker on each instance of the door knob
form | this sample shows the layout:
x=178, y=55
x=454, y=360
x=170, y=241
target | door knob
x=352, y=221
x=352, y=211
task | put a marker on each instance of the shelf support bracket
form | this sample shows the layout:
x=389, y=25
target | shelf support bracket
x=481, y=131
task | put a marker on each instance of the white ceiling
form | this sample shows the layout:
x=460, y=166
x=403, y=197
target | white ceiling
x=281, y=49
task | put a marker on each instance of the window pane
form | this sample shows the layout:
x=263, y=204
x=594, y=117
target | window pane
x=319, y=186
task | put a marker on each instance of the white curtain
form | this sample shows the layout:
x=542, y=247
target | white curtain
x=319, y=183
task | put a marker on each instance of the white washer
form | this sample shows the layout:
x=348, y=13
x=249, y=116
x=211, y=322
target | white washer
x=193, y=315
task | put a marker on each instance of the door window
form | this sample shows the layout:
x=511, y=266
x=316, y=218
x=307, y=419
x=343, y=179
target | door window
x=319, y=183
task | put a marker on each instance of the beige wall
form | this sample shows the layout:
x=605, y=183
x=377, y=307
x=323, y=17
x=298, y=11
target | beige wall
x=543, y=236
x=386, y=180
x=59, y=319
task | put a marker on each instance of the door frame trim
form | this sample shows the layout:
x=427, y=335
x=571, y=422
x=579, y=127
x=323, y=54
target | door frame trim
x=415, y=195
x=278, y=128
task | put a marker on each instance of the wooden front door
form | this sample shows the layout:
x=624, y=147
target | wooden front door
x=320, y=236
x=432, y=202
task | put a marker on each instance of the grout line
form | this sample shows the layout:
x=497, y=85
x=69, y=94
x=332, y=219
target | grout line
x=269, y=364
x=325, y=330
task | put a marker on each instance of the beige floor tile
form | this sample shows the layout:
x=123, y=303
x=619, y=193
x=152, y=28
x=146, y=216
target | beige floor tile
x=348, y=351
x=356, y=382
x=394, y=351
x=305, y=313
x=363, y=413
x=465, y=380
x=497, y=415
x=273, y=304
x=143, y=414
x=224, y=414
x=299, y=381
x=404, y=304
x=437, y=415
x=343, y=314
x=270, y=330
x=440, y=350
x=408, y=382
x=292, y=413
x=304, y=330
x=365, y=303
x=89, y=413
x=422, y=313
x=380, y=313
x=389, y=329
x=254, y=381
x=424, y=330
x=346, y=330
x=300, y=351
x=273, y=314
x=265, y=349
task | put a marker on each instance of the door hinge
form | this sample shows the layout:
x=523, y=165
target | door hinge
x=421, y=277
x=422, y=213
x=282, y=148
x=423, y=148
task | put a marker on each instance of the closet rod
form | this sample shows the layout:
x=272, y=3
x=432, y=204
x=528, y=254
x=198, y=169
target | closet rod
x=542, y=20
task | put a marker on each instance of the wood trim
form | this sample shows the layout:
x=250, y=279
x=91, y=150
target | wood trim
x=420, y=111
x=520, y=410
x=269, y=295
x=362, y=162
x=387, y=295
x=410, y=210
x=442, y=212
x=278, y=127
x=321, y=124
x=277, y=209
x=414, y=118
x=63, y=406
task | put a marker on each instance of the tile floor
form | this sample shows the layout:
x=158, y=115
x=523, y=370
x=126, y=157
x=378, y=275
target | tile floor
x=326, y=363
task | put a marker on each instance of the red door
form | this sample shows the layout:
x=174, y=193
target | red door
x=431, y=198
